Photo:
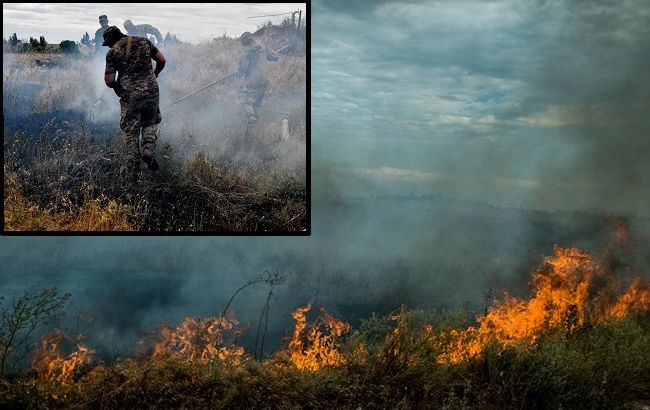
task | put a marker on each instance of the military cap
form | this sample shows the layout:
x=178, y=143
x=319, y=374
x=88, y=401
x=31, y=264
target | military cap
x=246, y=37
x=103, y=17
x=112, y=32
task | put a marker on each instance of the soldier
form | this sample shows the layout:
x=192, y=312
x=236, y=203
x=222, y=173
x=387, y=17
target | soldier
x=137, y=88
x=99, y=39
x=252, y=70
x=141, y=30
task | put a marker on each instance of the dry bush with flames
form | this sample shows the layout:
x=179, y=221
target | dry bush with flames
x=200, y=340
x=564, y=297
x=50, y=364
x=311, y=348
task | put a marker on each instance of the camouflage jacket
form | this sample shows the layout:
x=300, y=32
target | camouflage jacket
x=141, y=30
x=252, y=65
x=99, y=39
x=136, y=75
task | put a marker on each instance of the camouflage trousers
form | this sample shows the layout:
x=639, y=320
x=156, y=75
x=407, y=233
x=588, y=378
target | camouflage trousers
x=251, y=99
x=135, y=115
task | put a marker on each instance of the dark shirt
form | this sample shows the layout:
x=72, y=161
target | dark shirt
x=252, y=65
x=99, y=39
x=141, y=30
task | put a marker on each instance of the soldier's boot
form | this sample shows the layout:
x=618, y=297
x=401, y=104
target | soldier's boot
x=151, y=162
x=132, y=173
x=149, y=136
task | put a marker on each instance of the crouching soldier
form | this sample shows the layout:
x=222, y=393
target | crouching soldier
x=136, y=85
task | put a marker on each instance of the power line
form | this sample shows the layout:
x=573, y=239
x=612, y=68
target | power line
x=272, y=15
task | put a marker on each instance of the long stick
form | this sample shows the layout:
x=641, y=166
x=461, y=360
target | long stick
x=214, y=83
x=204, y=88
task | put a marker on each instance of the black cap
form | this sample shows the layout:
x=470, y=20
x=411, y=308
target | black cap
x=111, y=32
x=103, y=17
x=247, y=37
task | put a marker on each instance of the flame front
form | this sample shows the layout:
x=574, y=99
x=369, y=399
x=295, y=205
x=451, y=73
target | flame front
x=635, y=300
x=50, y=365
x=310, y=348
x=200, y=340
x=561, y=300
x=570, y=290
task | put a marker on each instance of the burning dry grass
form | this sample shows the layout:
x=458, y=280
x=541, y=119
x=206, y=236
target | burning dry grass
x=586, y=347
x=49, y=364
x=199, y=340
x=565, y=297
x=312, y=347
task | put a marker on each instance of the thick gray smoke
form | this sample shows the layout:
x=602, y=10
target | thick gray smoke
x=597, y=65
x=211, y=122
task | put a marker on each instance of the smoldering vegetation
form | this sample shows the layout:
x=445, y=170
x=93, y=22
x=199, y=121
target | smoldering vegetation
x=63, y=148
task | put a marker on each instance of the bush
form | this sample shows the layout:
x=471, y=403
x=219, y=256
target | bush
x=69, y=47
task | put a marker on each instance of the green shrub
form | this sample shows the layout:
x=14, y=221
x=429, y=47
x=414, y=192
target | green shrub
x=68, y=47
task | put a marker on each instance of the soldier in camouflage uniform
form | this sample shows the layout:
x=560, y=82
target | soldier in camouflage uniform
x=137, y=88
x=141, y=30
x=252, y=69
x=99, y=34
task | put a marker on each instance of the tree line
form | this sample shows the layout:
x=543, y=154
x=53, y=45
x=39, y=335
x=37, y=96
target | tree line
x=16, y=45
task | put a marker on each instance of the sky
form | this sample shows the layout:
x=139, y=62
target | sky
x=191, y=22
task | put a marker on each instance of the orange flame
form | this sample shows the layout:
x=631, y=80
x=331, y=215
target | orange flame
x=560, y=300
x=635, y=300
x=200, y=340
x=50, y=365
x=319, y=350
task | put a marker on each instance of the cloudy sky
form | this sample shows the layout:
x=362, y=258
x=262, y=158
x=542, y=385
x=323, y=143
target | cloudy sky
x=193, y=22
x=517, y=102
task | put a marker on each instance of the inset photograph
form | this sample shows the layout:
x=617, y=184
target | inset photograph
x=174, y=119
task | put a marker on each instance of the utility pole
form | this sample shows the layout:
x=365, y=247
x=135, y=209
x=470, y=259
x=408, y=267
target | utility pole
x=293, y=16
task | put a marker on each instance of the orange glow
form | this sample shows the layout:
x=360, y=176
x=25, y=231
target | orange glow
x=635, y=300
x=561, y=300
x=50, y=365
x=310, y=348
x=200, y=340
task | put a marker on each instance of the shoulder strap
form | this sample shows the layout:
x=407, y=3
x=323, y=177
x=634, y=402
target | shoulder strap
x=128, y=49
